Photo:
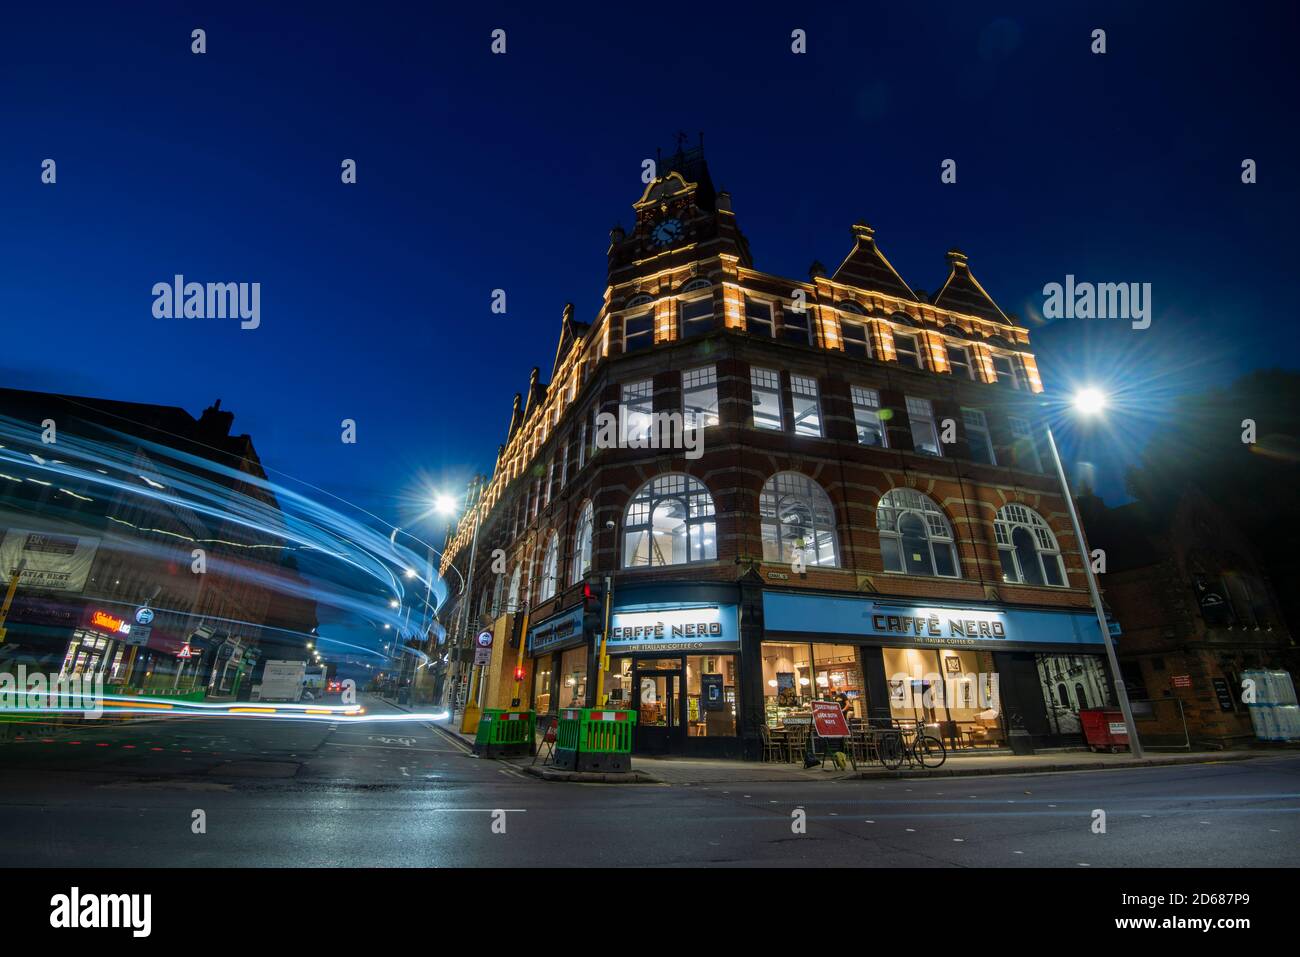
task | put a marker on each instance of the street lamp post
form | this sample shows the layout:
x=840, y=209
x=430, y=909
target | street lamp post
x=1093, y=401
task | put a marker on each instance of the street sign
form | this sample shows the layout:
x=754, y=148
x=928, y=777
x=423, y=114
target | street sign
x=139, y=635
x=144, y=615
x=484, y=639
x=482, y=656
x=1181, y=681
x=828, y=720
x=185, y=652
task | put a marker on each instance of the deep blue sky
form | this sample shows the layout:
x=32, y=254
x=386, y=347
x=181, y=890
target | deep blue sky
x=480, y=171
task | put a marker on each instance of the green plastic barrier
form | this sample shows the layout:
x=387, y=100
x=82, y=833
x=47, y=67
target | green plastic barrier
x=594, y=739
x=503, y=733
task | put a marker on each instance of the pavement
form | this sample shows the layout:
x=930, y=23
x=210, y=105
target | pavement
x=398, y=792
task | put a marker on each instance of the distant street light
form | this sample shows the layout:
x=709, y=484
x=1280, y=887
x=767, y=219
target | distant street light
x=1092, y=401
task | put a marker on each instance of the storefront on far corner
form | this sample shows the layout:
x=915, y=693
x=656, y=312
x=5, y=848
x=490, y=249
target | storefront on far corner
x=560, y=655
x=674, y=656
x=971, y=672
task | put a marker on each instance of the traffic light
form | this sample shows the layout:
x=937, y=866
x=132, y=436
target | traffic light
x=519, y=672
x=593, y=608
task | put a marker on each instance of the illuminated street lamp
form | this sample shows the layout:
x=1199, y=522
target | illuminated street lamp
x=1091, y=402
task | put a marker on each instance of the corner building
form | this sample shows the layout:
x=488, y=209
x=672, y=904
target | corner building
x=870, y=514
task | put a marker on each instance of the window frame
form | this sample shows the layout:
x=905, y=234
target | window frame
x=808, y=493
x=813, y=397
x=913, y=404
x=1016, y=516
x=710, y=385
x=755, y=389
x=868, y=409
x=699, y=519
x=902, y=502
x=982, y=429
x=769, y=323
x=583, y=548
x=690, y=328
x=915, y=352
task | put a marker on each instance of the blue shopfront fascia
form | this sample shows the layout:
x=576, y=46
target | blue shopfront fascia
x=947, y=625
x=673, y=629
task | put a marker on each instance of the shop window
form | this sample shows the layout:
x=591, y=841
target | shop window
x=711, y=701
x=582, y=544
x=670, y=521
x=915, y=537
x=795, y=675
x=572, y=683
x=542, y=686
x=620, y=683
x=1069, y=683
x=954, y=692
x=797, y=521
x=1027, y=547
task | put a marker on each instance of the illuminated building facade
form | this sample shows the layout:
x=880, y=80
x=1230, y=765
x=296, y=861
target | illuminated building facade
x=858, y=504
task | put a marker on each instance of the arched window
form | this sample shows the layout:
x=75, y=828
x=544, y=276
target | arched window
x=915, y=536
x=512, y=602
x=849, y=305
x=635, y=301
x=669, y=521
x=498, y=592
x=582, y=545
x=550, y=568
x=797, y=520
x=1027, y=547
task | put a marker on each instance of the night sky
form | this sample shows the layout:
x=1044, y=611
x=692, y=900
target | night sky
x=479, y=172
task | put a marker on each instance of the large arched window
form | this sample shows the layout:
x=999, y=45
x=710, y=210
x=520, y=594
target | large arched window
x=582, y=545
x=550, y=569
x=512, y=602
x=669, y=522
x=797, y=520
x=915, y=536
x=1027, y=547
x=498, y=593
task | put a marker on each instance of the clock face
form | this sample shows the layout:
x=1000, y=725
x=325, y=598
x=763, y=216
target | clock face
x=669, y=231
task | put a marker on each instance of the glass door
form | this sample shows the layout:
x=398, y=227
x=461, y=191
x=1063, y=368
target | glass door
x=661, y=726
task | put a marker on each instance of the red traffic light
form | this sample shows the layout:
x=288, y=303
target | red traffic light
x=519, y=673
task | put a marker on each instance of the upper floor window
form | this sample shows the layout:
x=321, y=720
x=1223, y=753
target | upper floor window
x=796, y=323
x=1006, y=368
x=915, y=536
x=550, y=480
x=635, y=411
x=700, y=397
x=977, y=436
x=1024, y=449
x=866, y=416
x=925, y=431
x=798, y=522
x=1027, y=547
x=669, y=521
x=638, y=332
x=959, y=362
x=564, y=464
x=758, y=318
x=856, y=338
x=907, y=350
x=695, y=308
x=765, y=390
x=550, y=568
x=582, y=444
x=582, y=544
x=807, y=409
x=498, y=595
x=512, y=601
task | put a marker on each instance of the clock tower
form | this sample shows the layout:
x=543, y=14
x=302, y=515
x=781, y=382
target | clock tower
x=679, y=217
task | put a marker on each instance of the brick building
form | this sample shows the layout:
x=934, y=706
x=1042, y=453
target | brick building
x=1198, y=610
x=861, y=504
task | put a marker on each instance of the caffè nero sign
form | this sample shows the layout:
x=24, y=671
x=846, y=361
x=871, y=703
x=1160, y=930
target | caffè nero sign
x=674, y=629
x=947, y=624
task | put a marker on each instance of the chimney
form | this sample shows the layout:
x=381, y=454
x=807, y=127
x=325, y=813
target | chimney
x=216, y=423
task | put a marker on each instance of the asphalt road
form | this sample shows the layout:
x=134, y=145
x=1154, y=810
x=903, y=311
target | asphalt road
x=277, y=793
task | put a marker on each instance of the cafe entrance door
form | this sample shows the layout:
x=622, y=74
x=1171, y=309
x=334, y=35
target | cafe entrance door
x=660, y=706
